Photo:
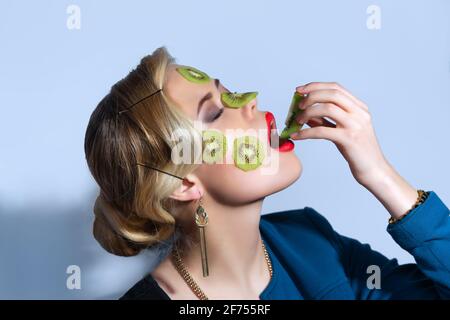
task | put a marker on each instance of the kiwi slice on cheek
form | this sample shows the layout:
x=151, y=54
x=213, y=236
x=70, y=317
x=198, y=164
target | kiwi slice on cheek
x=237, y=100
x=193, y=75
x=248, y=153
x=214, y=147
x=291, y=124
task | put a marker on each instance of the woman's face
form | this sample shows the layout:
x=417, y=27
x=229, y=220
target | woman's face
x=226, y=182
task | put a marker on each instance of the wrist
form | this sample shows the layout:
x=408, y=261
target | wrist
x=394, y=192
x=421, y=197
x=381, y=175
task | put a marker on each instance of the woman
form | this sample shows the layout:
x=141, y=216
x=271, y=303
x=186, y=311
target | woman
x=205, y=216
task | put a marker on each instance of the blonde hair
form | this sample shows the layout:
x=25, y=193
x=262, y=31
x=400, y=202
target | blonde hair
x=133, y=208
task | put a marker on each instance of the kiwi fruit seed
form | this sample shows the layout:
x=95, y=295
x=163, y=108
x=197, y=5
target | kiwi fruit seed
x=291, y=124
x=214, y=147
x=237, y=100
x=248, y=153
x=194, y=75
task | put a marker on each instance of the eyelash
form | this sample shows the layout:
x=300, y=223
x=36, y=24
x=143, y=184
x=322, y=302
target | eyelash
x=217, y=115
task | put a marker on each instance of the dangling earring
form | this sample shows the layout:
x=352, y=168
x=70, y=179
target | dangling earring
x=201, y=219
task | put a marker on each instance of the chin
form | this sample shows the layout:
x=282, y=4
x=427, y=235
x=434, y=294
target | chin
x=290, y=171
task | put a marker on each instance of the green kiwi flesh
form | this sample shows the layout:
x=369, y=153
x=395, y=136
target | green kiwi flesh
x=237, y=100
x=194, y=75
x=291, y=125
x=214, y=147
x=248, y=153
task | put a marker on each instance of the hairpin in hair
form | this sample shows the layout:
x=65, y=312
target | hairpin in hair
x=151, y=167
x=139, y=101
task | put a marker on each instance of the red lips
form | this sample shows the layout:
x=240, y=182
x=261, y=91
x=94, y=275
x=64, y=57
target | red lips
x=284, y=145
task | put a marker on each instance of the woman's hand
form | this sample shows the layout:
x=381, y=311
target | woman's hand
x=353, y=133
x=354, y=136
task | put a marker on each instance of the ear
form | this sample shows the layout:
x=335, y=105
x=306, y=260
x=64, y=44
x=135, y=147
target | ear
x=190, y=189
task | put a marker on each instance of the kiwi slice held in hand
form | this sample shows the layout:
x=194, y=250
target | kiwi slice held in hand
x=214, y=147
x=237, y=100
x=194, y=75
x=248, y=153
x=291, y=124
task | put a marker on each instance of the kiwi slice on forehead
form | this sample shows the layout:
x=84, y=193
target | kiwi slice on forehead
x=237, y=100
x=214, y=147
x=248, y=153
x=291, y=125
x=194, y=75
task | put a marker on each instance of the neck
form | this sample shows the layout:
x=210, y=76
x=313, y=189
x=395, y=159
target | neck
x=234, y=248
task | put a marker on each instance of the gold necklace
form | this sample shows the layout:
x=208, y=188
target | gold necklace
x=190, y=281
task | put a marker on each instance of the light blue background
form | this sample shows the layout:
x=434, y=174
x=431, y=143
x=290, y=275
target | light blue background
x=51, y=79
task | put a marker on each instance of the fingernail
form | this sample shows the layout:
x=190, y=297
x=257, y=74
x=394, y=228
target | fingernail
x=301, y=104
x=294, y=135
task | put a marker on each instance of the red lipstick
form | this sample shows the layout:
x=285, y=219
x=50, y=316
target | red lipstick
x=284, y=145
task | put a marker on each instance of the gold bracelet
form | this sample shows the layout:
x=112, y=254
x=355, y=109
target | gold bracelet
x=421, y=197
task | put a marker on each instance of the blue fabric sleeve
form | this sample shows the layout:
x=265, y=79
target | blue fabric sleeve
x=424, y=232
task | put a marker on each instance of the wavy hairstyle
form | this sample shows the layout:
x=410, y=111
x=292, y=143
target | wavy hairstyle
x=133, y=210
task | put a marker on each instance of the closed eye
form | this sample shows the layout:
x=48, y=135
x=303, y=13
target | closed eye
x=218, y=114
x=215, y=115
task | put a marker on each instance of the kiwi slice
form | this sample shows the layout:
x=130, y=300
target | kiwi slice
x=248, y=153
x=292, y=125
x=237, y=100
x=194, y=75
x=214, y=147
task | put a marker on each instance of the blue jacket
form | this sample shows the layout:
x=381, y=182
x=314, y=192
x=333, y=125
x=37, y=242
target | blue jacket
x=311, y=260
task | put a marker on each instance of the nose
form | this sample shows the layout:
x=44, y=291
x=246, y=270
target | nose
x=250, y=109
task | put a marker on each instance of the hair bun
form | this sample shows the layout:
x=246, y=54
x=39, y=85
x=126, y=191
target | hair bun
x=107, y=233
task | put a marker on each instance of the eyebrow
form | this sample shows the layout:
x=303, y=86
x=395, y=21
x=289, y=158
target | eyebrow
x=207, y=97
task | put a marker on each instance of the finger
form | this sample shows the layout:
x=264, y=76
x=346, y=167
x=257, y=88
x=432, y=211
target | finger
x=329, y=96
x=332, y=134
x=329, y=110
x=331, y=85
x=315, y=122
